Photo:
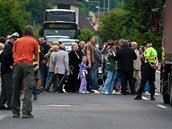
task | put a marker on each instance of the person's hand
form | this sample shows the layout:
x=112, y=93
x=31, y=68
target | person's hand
x=89, y=65
x=154, y=66
x=37, y=67
x=11, y=67
x=110, y=54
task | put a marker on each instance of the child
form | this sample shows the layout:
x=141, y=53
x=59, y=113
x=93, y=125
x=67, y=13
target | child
x=82, y=75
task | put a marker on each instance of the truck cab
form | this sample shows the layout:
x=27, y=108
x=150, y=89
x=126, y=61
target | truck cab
x=166, y=65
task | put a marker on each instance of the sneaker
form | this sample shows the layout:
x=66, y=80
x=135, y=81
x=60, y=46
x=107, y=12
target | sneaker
x=138, y=98
x=106, y=93
x=28, y=115
x=16, y=115
x=82, y=92
x=35, y=97
x=3, y=108
x=87, y=92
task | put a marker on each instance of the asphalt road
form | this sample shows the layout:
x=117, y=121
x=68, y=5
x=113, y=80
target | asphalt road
x=92, y=111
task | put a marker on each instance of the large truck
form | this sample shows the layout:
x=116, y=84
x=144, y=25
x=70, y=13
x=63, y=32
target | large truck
x=166, y=65
x=60, y=22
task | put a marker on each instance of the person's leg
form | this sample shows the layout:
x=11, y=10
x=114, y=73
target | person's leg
x=151, y=81
x=147, y=87
x=137, y=80
x=8, y=87
x=94, y=79
x=43, y=75
x=123, y=83
x=48, y=75
x=113, y=81
x=144, y=78
x=131, y=82
x=82, y=88
x=50, y=81
x=29, y=82
x=61, y=82
x=88, y=77
x=3, y=97
x=54, y=78
x=107, y=85
x=17, y=83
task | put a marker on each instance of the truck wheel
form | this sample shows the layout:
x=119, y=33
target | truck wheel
x=166, y=97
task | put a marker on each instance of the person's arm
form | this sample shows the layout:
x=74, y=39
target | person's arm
x=88, y=51
x=66, y=60
x=134, y=55
x=104, y=48
x=36, y=53
x=116, y=57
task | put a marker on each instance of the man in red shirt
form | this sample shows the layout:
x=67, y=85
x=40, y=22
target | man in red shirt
x=23, y=51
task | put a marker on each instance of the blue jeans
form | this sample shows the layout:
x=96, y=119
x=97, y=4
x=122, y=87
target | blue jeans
x=94, y=78
x=118, y=79
x=147, y=87
x=35, y=91
x=48, y=76
x=110, y=80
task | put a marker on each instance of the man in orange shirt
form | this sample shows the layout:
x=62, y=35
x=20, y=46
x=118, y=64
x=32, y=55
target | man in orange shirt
x=23, y=51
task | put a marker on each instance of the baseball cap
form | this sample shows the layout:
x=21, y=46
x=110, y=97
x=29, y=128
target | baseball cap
x=14, y=35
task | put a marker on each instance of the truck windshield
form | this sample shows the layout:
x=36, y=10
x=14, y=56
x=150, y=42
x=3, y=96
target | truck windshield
x=60, y=16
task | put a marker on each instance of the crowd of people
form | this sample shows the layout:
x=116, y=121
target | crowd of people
x=35, y=66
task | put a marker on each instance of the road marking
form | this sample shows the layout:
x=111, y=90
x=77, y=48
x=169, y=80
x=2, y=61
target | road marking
x=58, y=105
x=161, y=106
x=2, y=117
x=144, y=98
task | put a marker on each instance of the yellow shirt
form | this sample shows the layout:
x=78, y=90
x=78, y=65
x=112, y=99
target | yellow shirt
x=151, y=53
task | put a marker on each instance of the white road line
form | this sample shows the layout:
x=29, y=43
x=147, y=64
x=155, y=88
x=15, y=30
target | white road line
x=2, y=117
x=161, y=106
x=144, y=98
x=58, y=105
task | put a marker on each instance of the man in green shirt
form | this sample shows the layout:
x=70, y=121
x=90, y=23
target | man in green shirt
x=149, y=69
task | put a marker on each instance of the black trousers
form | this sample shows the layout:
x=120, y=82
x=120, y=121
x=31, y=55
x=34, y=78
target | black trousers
x=6, y=92
x=44, y=72
x=127, y=76
x=52, y=80
x=148, y=74
x=88, y=78
x=61, y=78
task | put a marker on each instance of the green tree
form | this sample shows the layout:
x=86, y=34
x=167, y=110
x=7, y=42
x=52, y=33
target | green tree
x=37, y=9
x=84, y=34
x=132, y=22
x=13, y=16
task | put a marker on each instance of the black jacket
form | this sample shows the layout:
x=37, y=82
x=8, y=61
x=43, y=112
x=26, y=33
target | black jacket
x=7, y=58
x=74, y=60
x=44, y=48
x=125, y=57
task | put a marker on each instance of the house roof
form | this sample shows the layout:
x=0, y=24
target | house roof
x=85, y=23
x=67, y=2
